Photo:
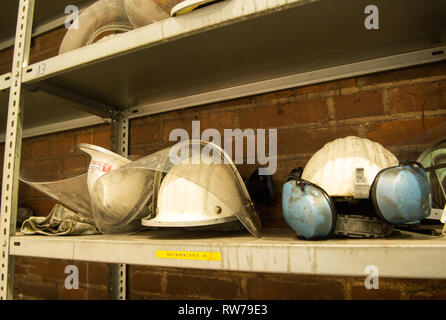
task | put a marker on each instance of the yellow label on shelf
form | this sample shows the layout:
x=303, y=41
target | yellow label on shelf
x=188, y=255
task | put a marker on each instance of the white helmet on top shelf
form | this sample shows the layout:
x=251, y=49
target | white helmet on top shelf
x=336, y=166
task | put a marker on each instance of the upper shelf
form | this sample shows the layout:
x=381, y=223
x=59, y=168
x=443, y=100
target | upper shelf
x=403, y=255
x=238, y=42
x=237, y=48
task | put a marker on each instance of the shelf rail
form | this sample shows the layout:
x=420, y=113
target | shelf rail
x=117, y=273
x=13, y=144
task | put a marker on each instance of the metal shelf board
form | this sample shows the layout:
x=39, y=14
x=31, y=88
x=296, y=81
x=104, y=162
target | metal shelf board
x=403, y=255
x=44, y=115
x=235, y=43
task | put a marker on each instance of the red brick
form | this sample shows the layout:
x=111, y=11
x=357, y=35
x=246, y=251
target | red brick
x=43, y=55
x=265, y=288
x=41, y=207
x=26, y=191
x=170, y=125
x=62, y=144
x=89, y=273
x=420, y=97
x=308, y=140
x=71, y=294
x=314, y=110
x=361, y=293
x=92, y=273
x=203, y=287
x=41, y=289
x=135, y=296
x=361, y=104
x=41, y=148
x=53, y=145
x=26, y=149
x=75, y=165
x=84, y=138
x=139, y=151
x=407, y=132
x=150, y=296
x=49, y=40
x=219, y=121
x=101, y=138
x=42, y=170
x=143, y=131
x=46, y=45
x=145, y=281
x=411, y=73
x=96, y=294
x=47, y=268
x=5, y=68
x=6, y=57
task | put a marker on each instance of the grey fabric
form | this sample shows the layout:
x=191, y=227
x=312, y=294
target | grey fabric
x=60, y=222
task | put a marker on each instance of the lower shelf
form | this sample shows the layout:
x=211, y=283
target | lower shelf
x=403, y=255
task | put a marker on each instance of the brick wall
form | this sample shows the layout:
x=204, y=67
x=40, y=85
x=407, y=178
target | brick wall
x=405, y=110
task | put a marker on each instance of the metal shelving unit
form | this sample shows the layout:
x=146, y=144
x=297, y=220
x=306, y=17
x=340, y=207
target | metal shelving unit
x=154, y=69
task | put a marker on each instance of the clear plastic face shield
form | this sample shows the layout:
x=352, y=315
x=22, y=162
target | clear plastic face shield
x=129, y=193
x=72, y=192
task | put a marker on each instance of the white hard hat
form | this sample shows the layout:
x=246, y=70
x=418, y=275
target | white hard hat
x=191, y=194
x=186, y=202
x=334, y=167
x=204, y=193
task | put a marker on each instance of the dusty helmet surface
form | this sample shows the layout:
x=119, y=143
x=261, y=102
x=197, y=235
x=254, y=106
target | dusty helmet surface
x=194, y=204
x=101, y=162
x=201, y=190
x=334, y=166
x=164, y=190
x=144, y=12
x=104, y=17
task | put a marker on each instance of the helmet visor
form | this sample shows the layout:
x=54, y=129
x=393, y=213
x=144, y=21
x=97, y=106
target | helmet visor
x=72, y=192
x=200, y=162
